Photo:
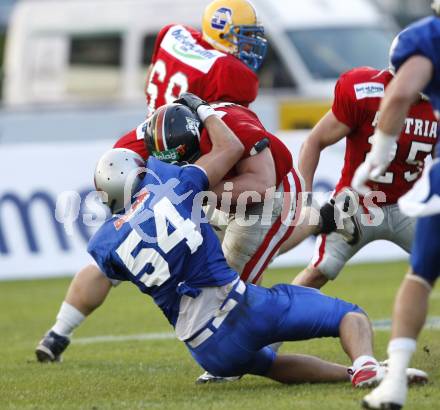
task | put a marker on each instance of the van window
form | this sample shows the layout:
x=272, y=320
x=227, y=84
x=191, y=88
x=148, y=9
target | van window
x=273, y=73
x=94, y=65
x=147, y=48
x=98, y=50
x=327, y=52
x=146, y=54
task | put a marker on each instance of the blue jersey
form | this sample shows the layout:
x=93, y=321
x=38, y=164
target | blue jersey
x=163, y=244
x=421, y=38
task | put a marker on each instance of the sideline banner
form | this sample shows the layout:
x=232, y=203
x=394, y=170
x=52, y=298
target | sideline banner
x=33, y=244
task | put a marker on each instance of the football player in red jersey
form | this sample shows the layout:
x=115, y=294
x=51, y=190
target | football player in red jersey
x=248, y=249
x=354, y=115
x=218, y=64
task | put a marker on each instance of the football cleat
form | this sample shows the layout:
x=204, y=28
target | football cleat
x=50, y=347
x=371, y=374
x=389, y=395
x=210, y=378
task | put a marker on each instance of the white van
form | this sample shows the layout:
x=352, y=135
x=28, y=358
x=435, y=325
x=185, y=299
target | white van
x=75, y=50
x=97, y=51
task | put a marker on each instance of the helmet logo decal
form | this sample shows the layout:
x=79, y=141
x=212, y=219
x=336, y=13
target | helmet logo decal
x=221, y=17
x=192, y=125
x=170, y=155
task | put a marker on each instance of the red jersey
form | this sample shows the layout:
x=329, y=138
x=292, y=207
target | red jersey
x=246, y=126
x=356, y=104
x=183, y=61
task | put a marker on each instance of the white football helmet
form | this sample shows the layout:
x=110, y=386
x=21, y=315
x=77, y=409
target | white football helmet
x=435, y=5
x=118, y=174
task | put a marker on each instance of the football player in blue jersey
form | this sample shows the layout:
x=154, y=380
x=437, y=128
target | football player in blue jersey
x=159, y=240
x=415, y=56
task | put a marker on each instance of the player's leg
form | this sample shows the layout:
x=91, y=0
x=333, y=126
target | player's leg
x=86, y=292
x=304, y=313
x=306, y=369
x=237, y=346
x=286, y=312
x=249, y=247
x=402, y=228
x=331, y=254
x=222, y=355
x=410, y=310
x=356, y=339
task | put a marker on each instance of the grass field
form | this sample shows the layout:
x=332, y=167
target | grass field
x=159, y=373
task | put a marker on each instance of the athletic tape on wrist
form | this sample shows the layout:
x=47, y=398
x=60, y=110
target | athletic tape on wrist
x=205, y=111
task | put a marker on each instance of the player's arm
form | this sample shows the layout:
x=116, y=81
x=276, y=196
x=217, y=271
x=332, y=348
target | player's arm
x=226, y=150
x=412, y=78
x=255, y=173
x=327, y=131
x=226, y=147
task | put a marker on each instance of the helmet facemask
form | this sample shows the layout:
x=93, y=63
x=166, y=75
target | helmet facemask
x=250, y=44
x=232, y=26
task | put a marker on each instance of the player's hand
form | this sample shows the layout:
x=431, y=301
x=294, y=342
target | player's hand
x=192, y=101
x=199, y=106
x=382, y=152
x=366, y=171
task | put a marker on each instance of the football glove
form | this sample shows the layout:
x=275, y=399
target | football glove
x=195, y=103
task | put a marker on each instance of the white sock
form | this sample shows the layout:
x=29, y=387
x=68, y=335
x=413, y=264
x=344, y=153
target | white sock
x=361, y=360
x=68, y=318
x=400, y=351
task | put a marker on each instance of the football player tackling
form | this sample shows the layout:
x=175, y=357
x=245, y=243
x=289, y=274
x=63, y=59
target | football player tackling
x=416, y=58
x=229, y=49
x=161, y=242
